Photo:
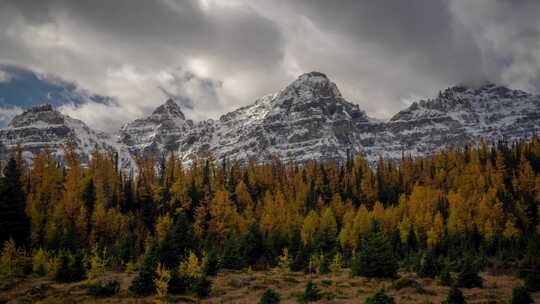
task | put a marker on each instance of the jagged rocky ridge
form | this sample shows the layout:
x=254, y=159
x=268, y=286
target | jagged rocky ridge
x=43, y=127
x=309, y=119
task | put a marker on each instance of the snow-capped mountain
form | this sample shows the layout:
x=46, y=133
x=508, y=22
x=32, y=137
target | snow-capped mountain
x=43, y=127
x=159, y=132
x=309, y=119
x=462, y=115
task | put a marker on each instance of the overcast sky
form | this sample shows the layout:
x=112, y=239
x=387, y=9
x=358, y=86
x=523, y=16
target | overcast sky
x=216, y=55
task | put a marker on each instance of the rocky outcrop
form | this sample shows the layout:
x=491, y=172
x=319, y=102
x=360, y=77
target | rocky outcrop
x=162, y=131
x=44, y=127
x=309, y=119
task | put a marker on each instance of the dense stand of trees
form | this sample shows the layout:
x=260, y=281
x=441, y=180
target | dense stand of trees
x=469, y=206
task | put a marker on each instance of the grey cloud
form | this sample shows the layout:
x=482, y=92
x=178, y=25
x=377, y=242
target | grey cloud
x=508, y=33
x=191, y=91
x=164, y=27
x=215, y=55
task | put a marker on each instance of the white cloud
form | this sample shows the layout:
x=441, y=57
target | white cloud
x=6, y=114
x=4, y=76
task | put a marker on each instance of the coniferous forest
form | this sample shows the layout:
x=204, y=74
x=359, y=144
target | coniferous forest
x=175, y=227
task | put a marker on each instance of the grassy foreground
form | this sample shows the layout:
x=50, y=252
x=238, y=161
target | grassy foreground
x=247, y=287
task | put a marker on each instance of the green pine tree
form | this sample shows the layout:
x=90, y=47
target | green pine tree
x=428, y=267
x=529, y=267
x=375, y=258
x=144, y=283
x=13, y=219
x=311, y=293
x=520, y=295
x=468, y=277
x=380, y=297
x=455, y=296
x=270, y=296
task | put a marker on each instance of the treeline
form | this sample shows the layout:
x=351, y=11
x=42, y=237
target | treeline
x=469, y=207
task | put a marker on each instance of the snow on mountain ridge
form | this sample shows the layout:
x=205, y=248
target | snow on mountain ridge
x=309, y=119
x=157, y=132
x=43, y=127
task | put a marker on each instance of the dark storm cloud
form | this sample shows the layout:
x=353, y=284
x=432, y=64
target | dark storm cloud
x=164, y=26
x=188, y=90
x=422, y=32
x=508, y=34
x=133, y=49
x=215, y=55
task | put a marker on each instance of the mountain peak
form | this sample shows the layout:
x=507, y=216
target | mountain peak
x=170, y=108
x=43, y=107
x=313, y=74
x=312, y=78
x=309, y=87
x=41, y=113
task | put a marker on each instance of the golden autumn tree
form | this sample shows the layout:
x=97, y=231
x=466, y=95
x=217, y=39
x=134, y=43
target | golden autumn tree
x=224, y=217
x=310, y=226
x=45, y=193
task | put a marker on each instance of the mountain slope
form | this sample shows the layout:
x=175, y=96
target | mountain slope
x=461, y=115
x=309, y=119
x=44, y=127
x=158, y=132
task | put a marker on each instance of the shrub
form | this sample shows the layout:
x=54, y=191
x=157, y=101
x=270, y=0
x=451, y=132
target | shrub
x=455, y=296
x=520, y=295
x=445, y=278
x=315, y=261
x=324, y=266
x=191, y=275
x=299, y=263
x=144, y=283
x=69, y=267
x=78, y=268
x=191, y=266
x=202, y=287
x=130, y=267
x=337, y=263
x=11, y=259
x=63, y=268
x=284, y=260
x=532, y=281
x=212, y=264
x=52, y=265
x=428, y=267
x=311, y=293
x=529, y=267
x=97, y=264
x=380, y=297
x=161, y=281
x=375, y=259
x=40, y=262
x=179, y=284
x=270, y=296
x=468, y=276
x=104, y=289
x=232, y=257
x=407, y=283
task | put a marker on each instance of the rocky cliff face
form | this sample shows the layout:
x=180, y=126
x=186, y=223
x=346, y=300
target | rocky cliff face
x=309, y=119
x=159, y=132
x=43, y=127
x=462, y=115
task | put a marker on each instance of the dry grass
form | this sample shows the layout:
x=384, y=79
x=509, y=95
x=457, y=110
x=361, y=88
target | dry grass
x=244, y=287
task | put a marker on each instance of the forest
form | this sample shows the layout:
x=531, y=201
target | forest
x=175, y=226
